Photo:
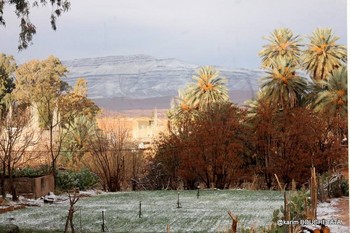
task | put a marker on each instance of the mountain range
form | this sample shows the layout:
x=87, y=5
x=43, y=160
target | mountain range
x=119, y=83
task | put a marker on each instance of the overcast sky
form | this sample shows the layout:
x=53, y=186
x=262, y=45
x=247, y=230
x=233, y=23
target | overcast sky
x=204, y=32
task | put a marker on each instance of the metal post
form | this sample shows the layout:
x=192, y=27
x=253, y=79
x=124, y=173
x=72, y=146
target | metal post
x=197, y=192
x=178, y=200
x=80, y=219
x=103, y=221
x=140, y=210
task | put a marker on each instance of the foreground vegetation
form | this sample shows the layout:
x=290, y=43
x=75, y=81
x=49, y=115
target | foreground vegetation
x=204, y=213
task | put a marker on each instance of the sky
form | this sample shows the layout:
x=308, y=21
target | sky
x=204, y=32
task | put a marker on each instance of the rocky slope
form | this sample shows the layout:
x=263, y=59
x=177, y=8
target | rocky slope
x=140, y=81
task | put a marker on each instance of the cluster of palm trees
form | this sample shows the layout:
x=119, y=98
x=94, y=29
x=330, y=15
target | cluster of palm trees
x=285, y=62
x=305, y=80
x=322, y=59
x=285, y=92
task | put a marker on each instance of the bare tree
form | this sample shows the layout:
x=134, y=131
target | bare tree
x=110, y=148
x=16, y=136
x=73, y=199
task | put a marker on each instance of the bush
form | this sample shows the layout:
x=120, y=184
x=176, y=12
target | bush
x=345, y=187
x=42, y=170
x=83, y=180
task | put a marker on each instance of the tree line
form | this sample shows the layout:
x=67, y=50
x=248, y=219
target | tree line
x=297, y=120
x=44, y=120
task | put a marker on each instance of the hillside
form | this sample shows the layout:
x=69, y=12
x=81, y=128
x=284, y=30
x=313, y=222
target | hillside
x=142, y=82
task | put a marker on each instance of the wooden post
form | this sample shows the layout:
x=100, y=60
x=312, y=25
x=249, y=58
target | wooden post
x=285, y=203
x=234, y=222
x=279, y=184
x=313, y=193
x=307, y=209
x=286, y=214
x=167, y=228
x=294, y=185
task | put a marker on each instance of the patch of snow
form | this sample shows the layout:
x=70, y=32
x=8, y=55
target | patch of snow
x=328, y=211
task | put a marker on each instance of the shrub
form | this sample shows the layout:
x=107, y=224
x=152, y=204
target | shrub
x=83, y=179
x=345, y=187
x=32, y=171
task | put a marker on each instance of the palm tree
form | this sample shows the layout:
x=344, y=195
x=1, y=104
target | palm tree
x=283, y=86
x=332, y=104
x=283, y=45
x=209, y=87
x=180, y=106
x=323, y=54
x=78, y=134
x=333, y=97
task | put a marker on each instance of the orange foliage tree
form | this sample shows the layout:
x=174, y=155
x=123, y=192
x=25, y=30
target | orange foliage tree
x=207, y=148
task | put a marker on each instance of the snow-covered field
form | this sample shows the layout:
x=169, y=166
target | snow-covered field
x=208, y=213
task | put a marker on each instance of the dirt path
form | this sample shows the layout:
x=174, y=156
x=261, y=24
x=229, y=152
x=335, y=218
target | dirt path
x=335, y=209
x=343, y=210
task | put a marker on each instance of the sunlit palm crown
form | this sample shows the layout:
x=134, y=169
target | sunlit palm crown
x=179, y=105
x=209, y=87
x=283, y=45
x=282, y=85
x=253, y=105
x=323, y=54
x=333, y=99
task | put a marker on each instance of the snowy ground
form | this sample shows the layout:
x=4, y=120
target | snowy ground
x=208, y=213
x=334, y=211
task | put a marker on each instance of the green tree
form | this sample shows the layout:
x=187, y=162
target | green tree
x=283, y=46
x=323, y=55
x=283, y=86
x=39, y=84
x=7, y=69
x=23, y=9
x=77, y=114
x=76, y=143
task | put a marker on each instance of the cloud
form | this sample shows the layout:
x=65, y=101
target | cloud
x=219, y=32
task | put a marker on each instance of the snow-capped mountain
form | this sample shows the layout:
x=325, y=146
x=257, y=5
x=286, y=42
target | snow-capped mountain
x=137, y=78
